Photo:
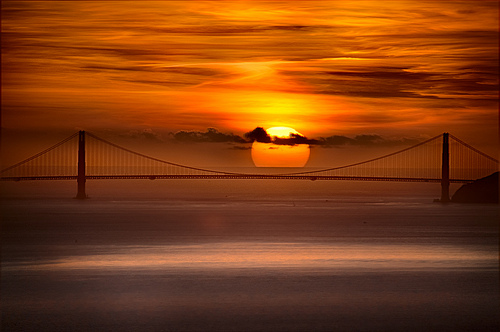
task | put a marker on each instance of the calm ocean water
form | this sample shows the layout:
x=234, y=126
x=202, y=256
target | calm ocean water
x=252, y=256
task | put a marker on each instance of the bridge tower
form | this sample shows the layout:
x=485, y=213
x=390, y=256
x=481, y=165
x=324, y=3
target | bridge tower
x=445, y=170
x=81, y=166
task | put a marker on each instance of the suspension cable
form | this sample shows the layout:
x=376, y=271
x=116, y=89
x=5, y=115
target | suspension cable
x=40, y=153
x=159, y=160
x=366, y=161
x=473, y=148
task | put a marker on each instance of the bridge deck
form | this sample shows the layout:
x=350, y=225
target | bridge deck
x=232, y=177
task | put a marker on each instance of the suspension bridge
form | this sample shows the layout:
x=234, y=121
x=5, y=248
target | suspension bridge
x=84, y=156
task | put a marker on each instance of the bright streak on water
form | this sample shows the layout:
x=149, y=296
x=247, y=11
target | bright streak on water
x=339, y=258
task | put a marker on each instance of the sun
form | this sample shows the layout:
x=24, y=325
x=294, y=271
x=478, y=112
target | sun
x=280, y=155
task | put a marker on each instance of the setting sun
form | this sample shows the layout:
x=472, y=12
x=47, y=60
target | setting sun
x=280, y=155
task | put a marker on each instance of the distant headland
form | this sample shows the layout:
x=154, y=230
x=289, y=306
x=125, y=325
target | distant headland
x=484, y=190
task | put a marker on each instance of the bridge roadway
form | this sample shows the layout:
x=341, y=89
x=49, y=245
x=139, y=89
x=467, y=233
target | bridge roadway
x=232, y=177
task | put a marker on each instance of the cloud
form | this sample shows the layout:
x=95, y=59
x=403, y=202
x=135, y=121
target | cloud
x=404, y=66
x=294, y=139
x=226, y=29
x=146, y=134
x=212, y=135
x=239, y=147
x=363, y=140
x=369, y=81
x=259, y=134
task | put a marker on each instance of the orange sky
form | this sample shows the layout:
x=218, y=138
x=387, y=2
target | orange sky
x=404, y=70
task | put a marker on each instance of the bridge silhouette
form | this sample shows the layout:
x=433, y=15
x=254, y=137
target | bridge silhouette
x=84, y=156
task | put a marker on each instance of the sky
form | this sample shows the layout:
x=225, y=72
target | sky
x=176, y=77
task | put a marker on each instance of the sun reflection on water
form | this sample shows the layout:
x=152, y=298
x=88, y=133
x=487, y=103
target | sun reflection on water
x=253, y=255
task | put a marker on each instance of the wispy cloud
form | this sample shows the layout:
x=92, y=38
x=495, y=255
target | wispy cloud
x=350, y=66
x=259, y=134
x=211, y=135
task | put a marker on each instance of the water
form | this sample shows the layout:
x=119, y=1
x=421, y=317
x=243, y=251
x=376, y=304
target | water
x=178, y=256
